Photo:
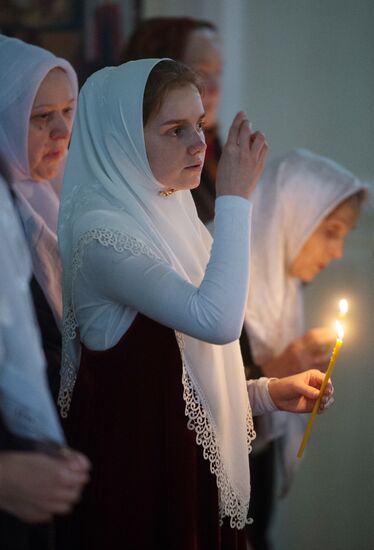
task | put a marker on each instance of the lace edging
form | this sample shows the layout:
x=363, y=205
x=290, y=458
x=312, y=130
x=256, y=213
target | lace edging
x=229, y=502
x=106, y=237
x=68, y=377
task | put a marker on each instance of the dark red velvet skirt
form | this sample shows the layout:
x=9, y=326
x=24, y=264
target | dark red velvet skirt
x=150, y=486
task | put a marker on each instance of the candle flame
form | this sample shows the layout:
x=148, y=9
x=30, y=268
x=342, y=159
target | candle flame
x=343, y=306
x=339, y=330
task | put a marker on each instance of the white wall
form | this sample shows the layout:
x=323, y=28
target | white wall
x=310, y=75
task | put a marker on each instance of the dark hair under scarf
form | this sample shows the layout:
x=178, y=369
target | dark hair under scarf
x=162, y=37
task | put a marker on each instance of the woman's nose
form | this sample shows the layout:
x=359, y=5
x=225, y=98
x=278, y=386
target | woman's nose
x=61, y=127
x=198, y=144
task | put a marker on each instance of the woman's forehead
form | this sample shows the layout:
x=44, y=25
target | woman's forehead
x=182, y=102
x=346, y=213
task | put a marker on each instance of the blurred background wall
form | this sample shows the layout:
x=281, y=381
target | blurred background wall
x=304, y=72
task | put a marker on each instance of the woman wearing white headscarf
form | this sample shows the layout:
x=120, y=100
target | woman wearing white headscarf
x=37, y=102
x=160, y=403
x=304, y=206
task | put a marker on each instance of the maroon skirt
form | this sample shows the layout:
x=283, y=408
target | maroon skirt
x=150, y=485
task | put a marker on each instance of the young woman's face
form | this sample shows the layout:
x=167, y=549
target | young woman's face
x=327, y=241
x=174, y=139
x=203, y=54
x=50, y=125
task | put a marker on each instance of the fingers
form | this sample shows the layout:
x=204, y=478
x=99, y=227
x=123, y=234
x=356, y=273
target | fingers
x=327, y=398
x=75, y=460
x=259, y=146
x=71, y=473
x=233, y=135
x=314, y=380
x=310, y=392
x=314, y=377
x=326, y=404
x=244, y=133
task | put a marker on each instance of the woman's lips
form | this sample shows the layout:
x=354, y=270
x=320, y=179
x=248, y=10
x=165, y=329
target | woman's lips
x=53, y=155
x=195, y=167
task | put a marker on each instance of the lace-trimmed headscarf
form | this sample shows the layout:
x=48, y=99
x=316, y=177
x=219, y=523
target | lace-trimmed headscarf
x=23, y=67
x=295, y=193
x=110, y=195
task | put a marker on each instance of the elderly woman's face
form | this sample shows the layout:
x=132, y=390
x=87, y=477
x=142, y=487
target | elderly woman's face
x=204, y=55
x=50, y=125
x=174, y=139
x=327, y=241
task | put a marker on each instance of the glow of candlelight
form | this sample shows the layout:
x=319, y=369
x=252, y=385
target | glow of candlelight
x=343, y=308
x=339, y=330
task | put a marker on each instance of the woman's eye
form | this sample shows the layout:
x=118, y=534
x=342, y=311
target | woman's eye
x=41, y=116
x=332, y=234
x=68, y=111
x=176, y=131
x=200, y=125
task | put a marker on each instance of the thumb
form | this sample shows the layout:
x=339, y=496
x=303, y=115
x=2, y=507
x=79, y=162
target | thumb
x=309, y=392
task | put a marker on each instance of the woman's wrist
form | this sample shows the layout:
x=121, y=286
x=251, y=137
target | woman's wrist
x=270, y=388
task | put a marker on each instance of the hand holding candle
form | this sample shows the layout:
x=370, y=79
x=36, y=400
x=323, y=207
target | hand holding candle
x=343, y=307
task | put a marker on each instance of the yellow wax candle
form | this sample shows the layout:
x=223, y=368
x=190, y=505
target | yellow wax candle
x=335, y=352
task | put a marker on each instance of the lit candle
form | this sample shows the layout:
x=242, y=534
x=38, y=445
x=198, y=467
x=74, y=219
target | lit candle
x=343, y=308
x=335, y=352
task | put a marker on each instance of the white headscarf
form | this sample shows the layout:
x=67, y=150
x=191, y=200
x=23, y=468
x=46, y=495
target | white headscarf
x=25, y=402
x=110, y=194
x=295, y=194
x=23, y=67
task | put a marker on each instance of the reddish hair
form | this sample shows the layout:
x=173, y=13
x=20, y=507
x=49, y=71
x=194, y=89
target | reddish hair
x=165, y=76
x=162, y=37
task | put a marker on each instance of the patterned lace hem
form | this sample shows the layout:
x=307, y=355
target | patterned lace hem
x=230, y=504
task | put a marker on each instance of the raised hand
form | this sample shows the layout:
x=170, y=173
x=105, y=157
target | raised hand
x=242, y=160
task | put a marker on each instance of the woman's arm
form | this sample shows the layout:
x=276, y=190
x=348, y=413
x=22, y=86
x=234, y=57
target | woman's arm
x=212, y=311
